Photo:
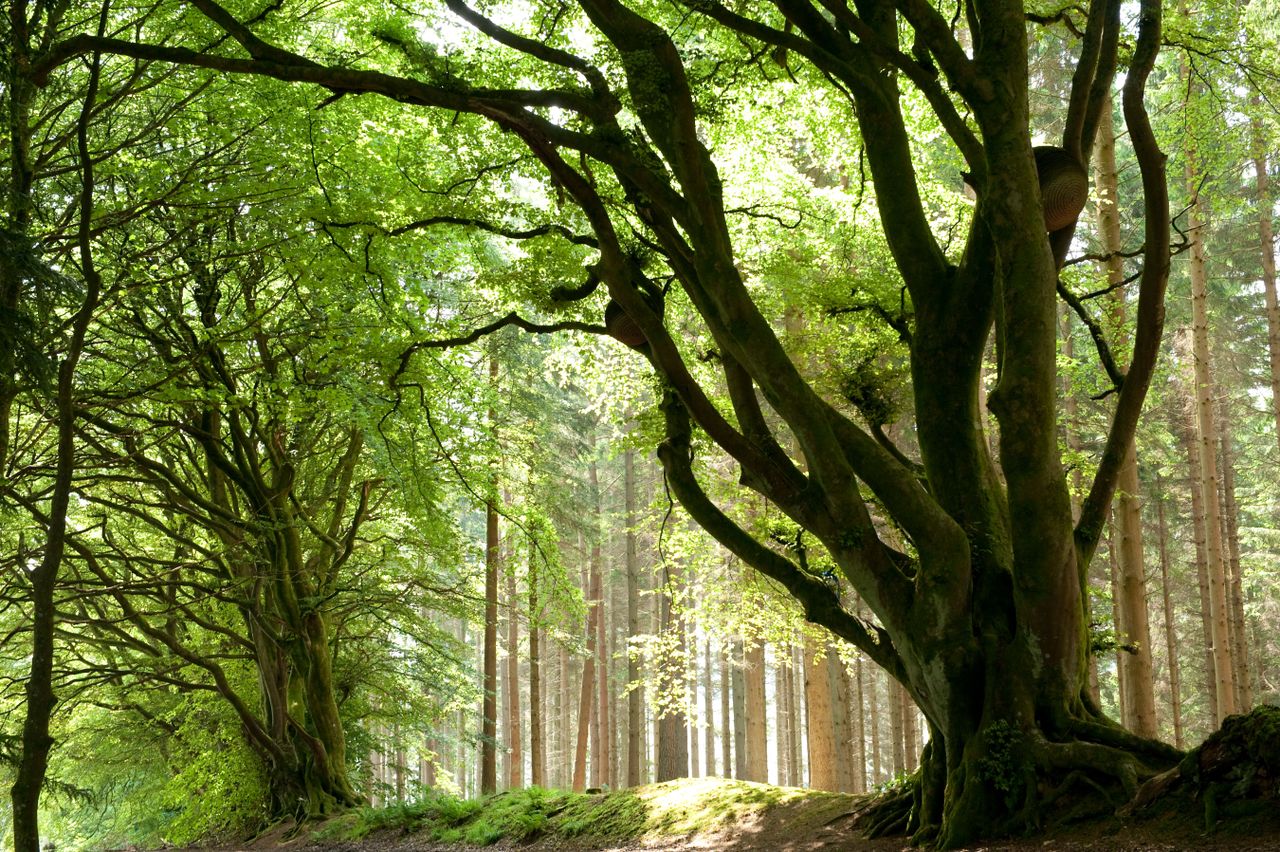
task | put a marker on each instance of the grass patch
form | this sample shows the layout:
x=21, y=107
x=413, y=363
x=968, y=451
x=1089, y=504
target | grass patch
x=674, y=808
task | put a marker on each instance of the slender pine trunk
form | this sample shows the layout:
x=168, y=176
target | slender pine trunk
x=1170, y=628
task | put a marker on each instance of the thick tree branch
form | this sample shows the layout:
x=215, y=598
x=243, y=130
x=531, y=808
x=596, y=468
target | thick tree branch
x=1151, y=290
x=820, y=601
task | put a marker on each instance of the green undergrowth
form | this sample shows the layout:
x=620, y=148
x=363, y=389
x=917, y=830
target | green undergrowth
x=674, y=808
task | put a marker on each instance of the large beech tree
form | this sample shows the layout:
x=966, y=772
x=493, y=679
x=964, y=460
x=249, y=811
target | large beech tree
x=982, y=616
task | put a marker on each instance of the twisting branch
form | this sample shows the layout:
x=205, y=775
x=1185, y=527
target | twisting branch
x=472, y=336
x=537, y=49
x=1114, y=372
x=1151, y=292
x=820, y=601
x=469, y=222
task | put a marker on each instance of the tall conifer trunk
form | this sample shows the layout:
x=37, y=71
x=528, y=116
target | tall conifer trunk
x=1207, y=449
x=823, y=770
x=1135, y=663
x=1170, y=628
x=1235, y=591
x=757, y=745
x=489, y=702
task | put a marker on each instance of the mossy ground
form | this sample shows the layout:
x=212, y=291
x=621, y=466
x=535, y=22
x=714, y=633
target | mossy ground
x=673, y=809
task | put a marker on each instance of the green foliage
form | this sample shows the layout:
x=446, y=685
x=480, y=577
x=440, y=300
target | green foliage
x=221, y=791
x=1005, y=762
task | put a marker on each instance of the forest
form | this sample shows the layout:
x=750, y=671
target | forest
x=403, y=403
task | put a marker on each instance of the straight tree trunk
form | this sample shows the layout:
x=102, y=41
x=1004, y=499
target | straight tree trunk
x=673, y=731
x=795, y=680
x=839, y=676
x=1207, y=444
x=782, y=719
x=896, y=733
x=461, y=731
x=586, y=712
x=823, y=772
x=1113, y=562
x=1266, y=239
x=400, y=764
x=1170, y=630
x=757, y=745
x=1202, y=567
x=740, y=766
x=565, y=692
x=860, y=728
x=708, y=712
x=489, y=710
x=726, y=723
x=691, y=690
x=617, y=644
x=602, y=758
x=515, y=769
x=537, y=745
x=1235, y=592
x=910, y=731
x=876, y=764
x=427, y=764
x=635, y=698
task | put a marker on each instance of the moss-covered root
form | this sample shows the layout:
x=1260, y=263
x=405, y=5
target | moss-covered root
x=892, y=812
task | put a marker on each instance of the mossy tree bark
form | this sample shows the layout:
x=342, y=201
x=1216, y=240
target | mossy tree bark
x=984, y=620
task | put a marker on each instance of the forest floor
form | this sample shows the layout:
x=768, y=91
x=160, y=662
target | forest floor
x=735, y=816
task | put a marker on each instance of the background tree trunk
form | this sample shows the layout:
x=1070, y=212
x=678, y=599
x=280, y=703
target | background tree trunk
x=726, y=723
x=740, y=770
x=635, y=707
x=708, y=712
x=1206, y=445
x=1170, y=628
x=1266, y=240
x=515, y=768
x=586, y=711
x=537, y=745
x=489, y=708
x=823, y=772
x=757, y=745
x=1135, y=666
x=673, y=731
x=1235, y=592
x=782, y=719
x=1202, y=566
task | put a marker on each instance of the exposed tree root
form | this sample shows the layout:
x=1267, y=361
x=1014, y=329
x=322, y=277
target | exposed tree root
x=890, y=813
x=1240, y=761
x=1027, y=782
